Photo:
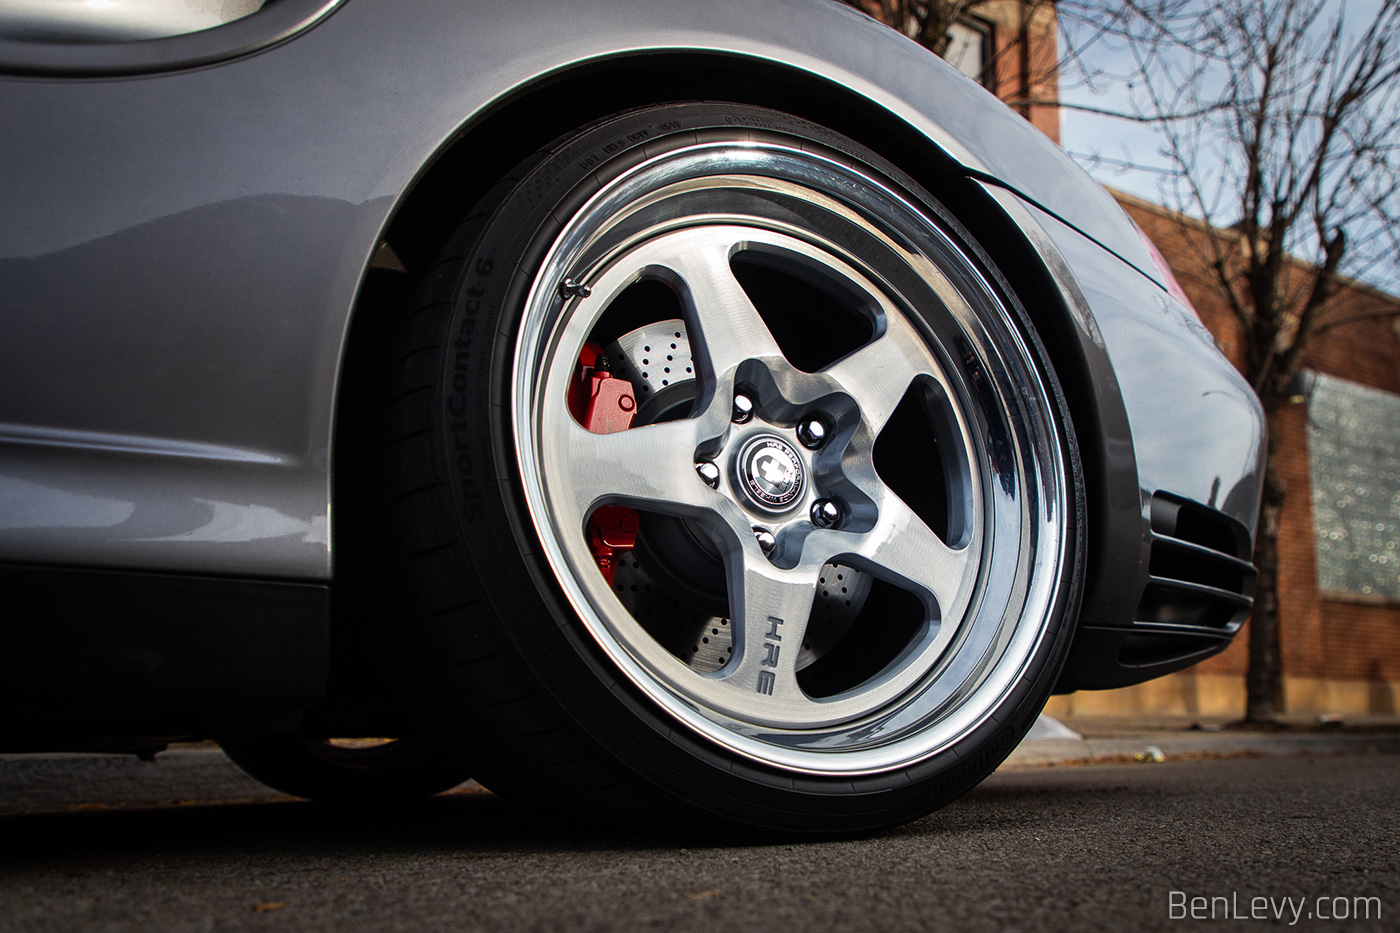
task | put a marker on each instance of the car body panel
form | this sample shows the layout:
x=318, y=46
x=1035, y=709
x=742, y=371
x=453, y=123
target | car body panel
x=1205, y=443
x=182, y=252
x=1202, y=441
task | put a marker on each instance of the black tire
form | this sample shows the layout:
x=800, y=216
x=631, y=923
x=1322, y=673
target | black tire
x=523, y=651
x=378, y=773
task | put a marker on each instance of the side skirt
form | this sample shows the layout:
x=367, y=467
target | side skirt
x=87, y=653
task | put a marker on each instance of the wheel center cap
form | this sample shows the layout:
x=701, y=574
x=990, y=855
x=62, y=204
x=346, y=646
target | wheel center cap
x=771, y=472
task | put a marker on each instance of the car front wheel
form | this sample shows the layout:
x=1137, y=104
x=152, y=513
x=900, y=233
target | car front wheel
x=732, y=481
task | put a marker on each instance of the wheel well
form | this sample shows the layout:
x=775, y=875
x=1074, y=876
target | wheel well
x=530, y=119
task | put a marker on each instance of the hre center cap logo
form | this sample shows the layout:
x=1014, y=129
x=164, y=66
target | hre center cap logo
x=772, y=472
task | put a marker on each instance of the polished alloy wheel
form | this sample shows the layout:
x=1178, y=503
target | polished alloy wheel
x=730, y=482
x=771, y=469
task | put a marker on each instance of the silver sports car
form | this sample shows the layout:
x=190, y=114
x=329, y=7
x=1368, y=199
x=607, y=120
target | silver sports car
x=722, y=414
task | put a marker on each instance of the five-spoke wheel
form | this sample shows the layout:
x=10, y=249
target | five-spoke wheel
x=787, y=491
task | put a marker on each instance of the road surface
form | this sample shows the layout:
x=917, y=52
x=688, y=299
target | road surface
x=1097, y=847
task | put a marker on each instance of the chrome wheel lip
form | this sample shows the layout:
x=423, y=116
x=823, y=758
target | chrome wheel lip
x=967, y=684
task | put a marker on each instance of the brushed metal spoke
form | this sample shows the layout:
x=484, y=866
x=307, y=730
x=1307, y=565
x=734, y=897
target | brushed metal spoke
x=905, y=551
x=771, y=609
x=651, y=466
x=725, y=327
x=879, y=374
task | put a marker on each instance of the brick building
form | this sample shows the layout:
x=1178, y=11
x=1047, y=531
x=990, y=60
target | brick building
x=1009, y=46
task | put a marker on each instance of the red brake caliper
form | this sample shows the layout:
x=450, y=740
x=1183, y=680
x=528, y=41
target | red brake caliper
x=604, y=405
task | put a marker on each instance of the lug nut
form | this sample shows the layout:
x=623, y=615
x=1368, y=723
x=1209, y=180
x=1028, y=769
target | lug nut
x=765, y=539
x=709, y=473
x=826, y=513
x=743, y=409
x=812, y=433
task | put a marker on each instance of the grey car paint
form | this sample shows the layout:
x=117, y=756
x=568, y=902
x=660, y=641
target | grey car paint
x=1201, y=440
x=181, y=254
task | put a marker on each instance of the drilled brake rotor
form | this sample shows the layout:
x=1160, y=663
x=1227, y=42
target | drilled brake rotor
x=659, y=589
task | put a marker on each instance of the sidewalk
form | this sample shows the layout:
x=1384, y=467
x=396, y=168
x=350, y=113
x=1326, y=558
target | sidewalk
x=1085, y=740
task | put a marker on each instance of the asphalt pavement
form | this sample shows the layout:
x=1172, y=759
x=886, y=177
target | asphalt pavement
x=187, y=843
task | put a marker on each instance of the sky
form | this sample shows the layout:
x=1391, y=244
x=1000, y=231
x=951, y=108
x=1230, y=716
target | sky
x=1127, y=156
x=1119, y=153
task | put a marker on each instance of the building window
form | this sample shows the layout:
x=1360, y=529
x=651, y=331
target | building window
x=1354, y=457
x=969, y=44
